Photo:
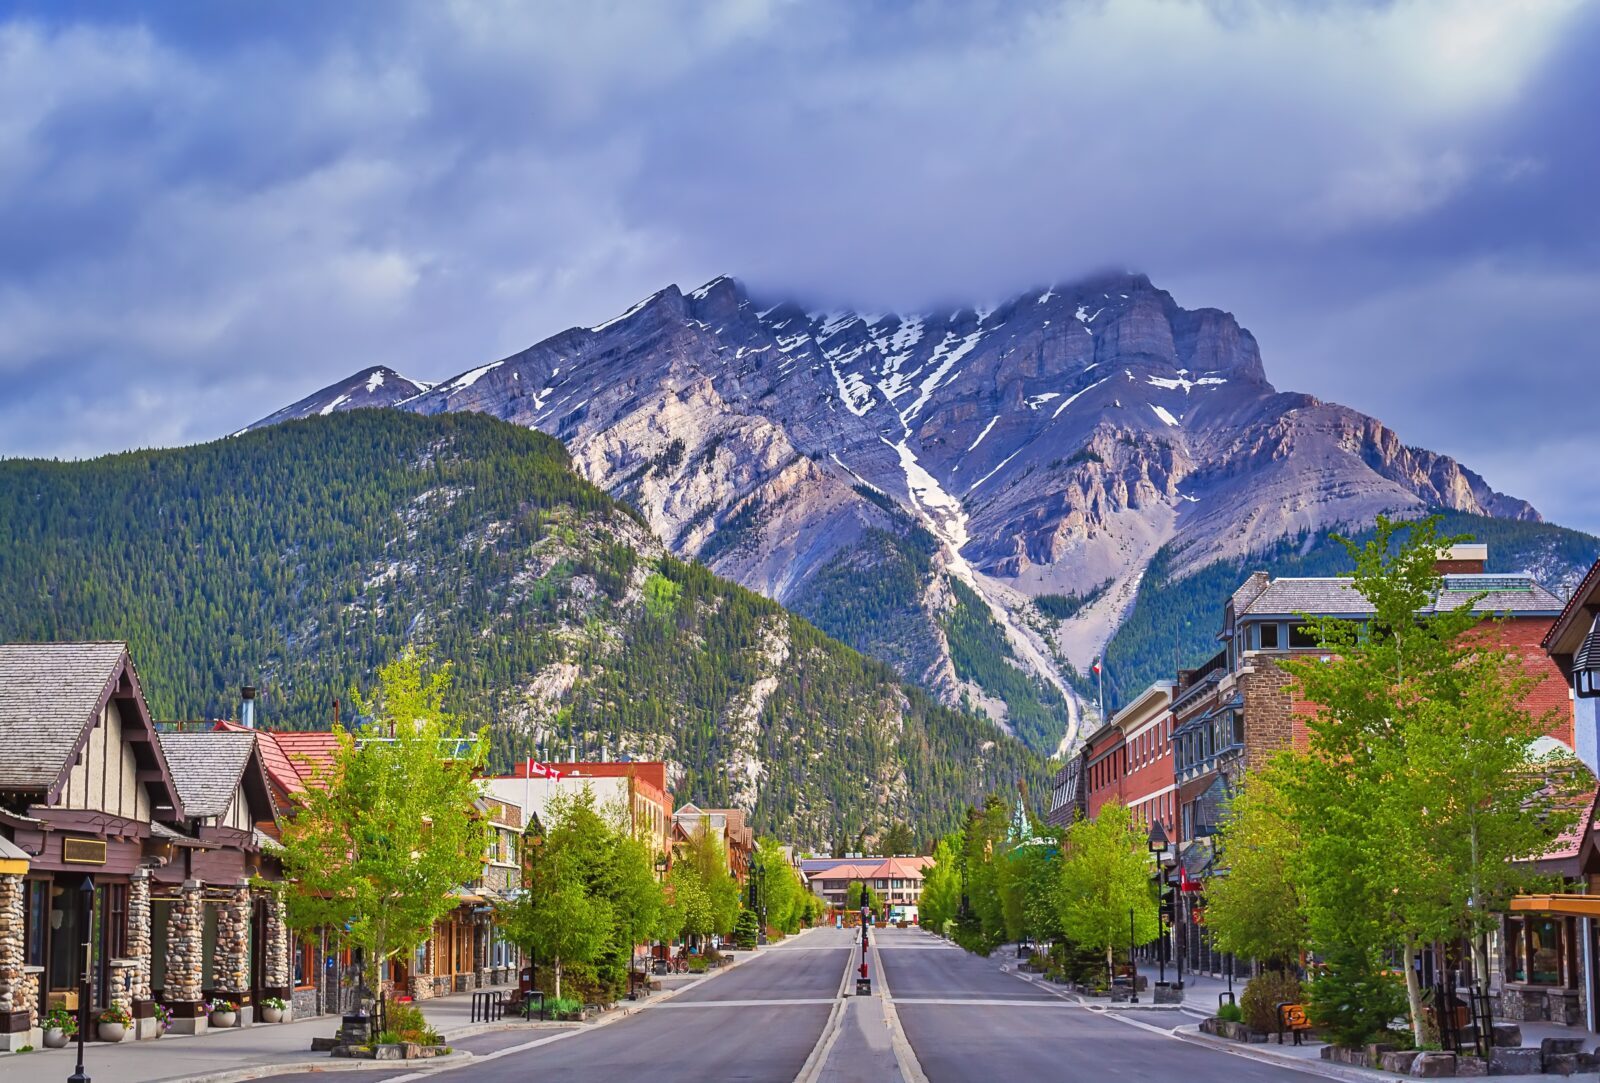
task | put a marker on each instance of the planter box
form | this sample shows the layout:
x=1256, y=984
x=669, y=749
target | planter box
x=1234, y=1032
x=390, y=1051
x=1356, y=1058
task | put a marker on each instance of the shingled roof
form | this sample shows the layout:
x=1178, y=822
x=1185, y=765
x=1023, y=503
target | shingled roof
x=207, y=766
x=1337, y=596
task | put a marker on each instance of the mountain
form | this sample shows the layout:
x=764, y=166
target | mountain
x=377, y=386
x=300, y=557
x=973, y=494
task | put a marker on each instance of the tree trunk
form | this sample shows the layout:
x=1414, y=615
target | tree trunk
x=558, y=977
x=1480, y=961
x=1414, y=992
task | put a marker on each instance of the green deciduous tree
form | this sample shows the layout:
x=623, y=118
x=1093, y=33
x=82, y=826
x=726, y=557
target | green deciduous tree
x=856, y=890
x=941, y=885
x=1105, y=879
x=380, y=850
x=590, y=894
x=703, y=897
x=1418, y=803
x=1253, y=904
x=789, y=905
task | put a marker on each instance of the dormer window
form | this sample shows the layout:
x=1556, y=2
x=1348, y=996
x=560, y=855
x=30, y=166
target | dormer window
x=1586, y=664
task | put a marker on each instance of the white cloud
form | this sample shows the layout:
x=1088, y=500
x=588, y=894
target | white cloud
x=257, y=214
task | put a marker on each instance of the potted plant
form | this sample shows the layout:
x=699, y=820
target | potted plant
x=59, y=1026
x=274, y=1010
x=114, y=1024
x=163, y=1018
x=223, y=1013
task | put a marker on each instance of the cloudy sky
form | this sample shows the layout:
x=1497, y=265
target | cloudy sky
x=208, y=210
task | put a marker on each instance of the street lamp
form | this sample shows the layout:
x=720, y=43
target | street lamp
x=1159, y=844
x=85, y=922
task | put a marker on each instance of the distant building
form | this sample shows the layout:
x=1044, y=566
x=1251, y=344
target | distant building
x=728, y=824
x=635, y=788
x=897, y=879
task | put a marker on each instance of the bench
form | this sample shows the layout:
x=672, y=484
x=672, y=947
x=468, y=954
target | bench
x=1292, y=1018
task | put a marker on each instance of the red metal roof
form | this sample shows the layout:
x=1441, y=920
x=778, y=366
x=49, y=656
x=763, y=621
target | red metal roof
x=311, y=752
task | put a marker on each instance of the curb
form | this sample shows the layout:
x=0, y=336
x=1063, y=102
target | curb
x=1326, y=1069
x=322, y=1064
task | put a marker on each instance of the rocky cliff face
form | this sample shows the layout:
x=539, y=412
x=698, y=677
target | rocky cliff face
x=1048, y=446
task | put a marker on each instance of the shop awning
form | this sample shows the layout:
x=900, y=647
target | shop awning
x=13, y=858
x=1577, y=906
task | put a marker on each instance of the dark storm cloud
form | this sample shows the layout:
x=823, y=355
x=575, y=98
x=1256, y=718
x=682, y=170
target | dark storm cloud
x=207, y=211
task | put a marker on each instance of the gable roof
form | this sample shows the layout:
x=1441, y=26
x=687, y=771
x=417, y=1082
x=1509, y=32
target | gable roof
x=51, y=697
x=50, y=693
x=280, y=769
x=207, y=766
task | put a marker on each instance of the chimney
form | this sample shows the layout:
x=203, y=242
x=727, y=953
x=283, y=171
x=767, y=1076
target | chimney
x=247, y=707
x=1471, y=558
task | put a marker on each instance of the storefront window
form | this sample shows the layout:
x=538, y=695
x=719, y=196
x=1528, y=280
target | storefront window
x=1533, y=948
x=38, y=921
x=1544, y=951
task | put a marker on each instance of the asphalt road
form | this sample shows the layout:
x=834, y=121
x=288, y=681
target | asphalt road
x=969, y=1022
x=950, y=1016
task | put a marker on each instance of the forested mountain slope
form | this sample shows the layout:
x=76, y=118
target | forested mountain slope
x=1177, y=615
x=301, y=556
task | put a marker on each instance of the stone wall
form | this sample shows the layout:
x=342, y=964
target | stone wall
x=185, y=937
x=12, y=997
x=276, y=972
x=230, y=957
x=139, y=932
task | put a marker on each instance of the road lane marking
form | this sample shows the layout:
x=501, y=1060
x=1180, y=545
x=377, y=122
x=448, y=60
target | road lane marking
x=777, y=1003
x=812, y=1068
x=997, y=1002
x=905, y=1056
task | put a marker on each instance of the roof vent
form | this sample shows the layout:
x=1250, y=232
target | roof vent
x=247, y=707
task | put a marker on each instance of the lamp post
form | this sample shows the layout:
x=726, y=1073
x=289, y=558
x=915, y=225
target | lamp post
x=1133, y=968
x=761, y=901
x=1158, y=844
x=85, y=922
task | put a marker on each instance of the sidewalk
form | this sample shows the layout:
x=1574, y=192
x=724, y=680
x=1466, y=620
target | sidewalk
x=178, y=1056
x=266, y=1050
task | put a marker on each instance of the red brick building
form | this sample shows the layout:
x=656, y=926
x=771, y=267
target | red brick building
x=1149, y=785
x=1104, y=764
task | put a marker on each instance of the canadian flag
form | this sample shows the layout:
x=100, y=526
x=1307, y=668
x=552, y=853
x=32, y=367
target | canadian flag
x=541, y=770
x=1097, y=666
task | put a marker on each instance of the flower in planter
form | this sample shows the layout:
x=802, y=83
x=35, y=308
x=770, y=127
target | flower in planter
x=275, y=1003
x=58, y=1018
x=163, y=1018
x=219, y=1004
x=116, y=1015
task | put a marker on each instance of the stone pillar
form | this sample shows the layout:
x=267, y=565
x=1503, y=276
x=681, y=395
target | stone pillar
x=11, y=946
x=16, y=1018
x=230, y=959
x=139, y=932
x=186, y=928
x=276, y=972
